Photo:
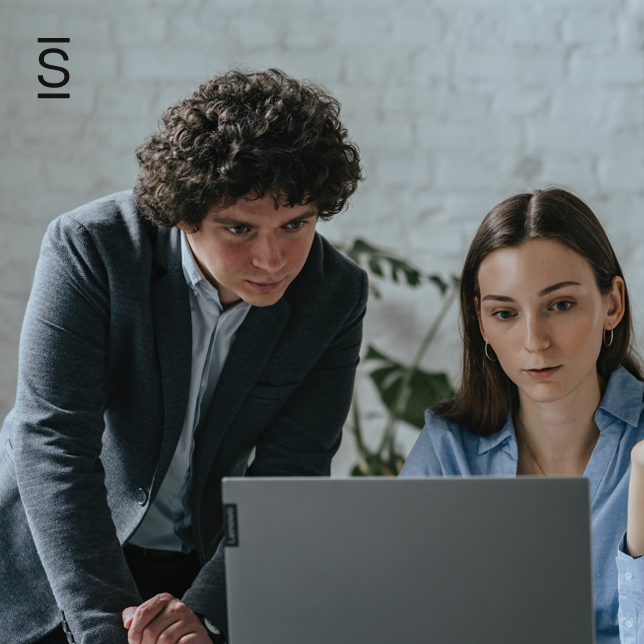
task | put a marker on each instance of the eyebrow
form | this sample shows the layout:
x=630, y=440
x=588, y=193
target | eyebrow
x=227, y=221
x=545, y=291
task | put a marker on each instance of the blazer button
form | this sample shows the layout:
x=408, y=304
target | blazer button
x=141, y=496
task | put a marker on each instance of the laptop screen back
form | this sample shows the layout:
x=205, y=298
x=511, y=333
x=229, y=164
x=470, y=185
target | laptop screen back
x=408, y=561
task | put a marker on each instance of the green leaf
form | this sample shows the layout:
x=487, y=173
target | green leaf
x=374, y=267
x=376, y=259
x=424, y=390
x=438, y=280
x=375, y=465
x=374, y=354
x=411, y=274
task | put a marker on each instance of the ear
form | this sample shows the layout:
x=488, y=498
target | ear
x=616, y=300
x=478, y=315
x=187, y=228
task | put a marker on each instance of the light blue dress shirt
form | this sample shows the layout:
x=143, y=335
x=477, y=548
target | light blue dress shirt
x=167, y=524
x=449, y=449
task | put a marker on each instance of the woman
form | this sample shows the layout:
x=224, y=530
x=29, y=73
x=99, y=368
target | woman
x=551, y=384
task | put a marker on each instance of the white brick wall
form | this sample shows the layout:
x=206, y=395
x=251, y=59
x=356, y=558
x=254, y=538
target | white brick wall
x=455, y=105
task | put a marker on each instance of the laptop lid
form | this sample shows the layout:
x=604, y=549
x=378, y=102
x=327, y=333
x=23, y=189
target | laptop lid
x=408, y=561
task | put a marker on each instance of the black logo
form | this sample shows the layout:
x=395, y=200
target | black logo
x=231, y=534
x=43, y=63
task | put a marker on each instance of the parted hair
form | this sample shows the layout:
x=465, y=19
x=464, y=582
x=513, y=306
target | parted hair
x=247, y=134
x=486, y=394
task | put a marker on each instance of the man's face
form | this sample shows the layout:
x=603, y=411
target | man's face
x=252, y=251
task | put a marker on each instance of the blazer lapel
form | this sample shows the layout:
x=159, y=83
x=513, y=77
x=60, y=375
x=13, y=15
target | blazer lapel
x=173, y=335
x=254, y=343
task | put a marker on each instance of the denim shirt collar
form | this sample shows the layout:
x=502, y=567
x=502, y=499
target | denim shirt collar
x=622, y=400
x=486, y=443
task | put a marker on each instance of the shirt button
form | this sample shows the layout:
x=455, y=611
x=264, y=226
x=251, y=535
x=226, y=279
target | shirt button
x=141, y=496
x=628, y=623
x=628, y=576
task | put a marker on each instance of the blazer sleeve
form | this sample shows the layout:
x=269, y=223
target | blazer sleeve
x=300, y=441
x=58, y=429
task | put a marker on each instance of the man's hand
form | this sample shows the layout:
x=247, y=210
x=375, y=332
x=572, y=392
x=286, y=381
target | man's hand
x=163, y=614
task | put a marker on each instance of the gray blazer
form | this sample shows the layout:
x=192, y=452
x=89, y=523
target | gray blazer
x=103, y=385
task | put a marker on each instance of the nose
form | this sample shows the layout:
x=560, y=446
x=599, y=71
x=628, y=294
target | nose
x=268, y=255
x=537, y=338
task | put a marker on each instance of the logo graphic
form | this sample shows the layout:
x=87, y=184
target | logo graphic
x=231, y=534
x=43, y=63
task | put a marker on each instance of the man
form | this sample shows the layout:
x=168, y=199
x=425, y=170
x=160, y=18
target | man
x=174, y=334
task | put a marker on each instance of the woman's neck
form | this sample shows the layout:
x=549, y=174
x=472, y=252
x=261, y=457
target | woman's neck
x=557, y=438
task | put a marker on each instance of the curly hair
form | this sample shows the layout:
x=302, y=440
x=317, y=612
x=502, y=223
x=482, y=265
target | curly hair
x=247, y=135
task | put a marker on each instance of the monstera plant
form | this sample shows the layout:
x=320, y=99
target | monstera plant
x=404, y=390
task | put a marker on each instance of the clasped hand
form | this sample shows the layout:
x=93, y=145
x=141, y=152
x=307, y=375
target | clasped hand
x=163, y=619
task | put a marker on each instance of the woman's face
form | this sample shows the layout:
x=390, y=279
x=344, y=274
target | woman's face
x=543, y=316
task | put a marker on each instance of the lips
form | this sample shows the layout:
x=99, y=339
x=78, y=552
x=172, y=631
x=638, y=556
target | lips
x=266, y=286
x=542, y=374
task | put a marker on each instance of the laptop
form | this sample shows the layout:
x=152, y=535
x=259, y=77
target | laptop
x=408, y=561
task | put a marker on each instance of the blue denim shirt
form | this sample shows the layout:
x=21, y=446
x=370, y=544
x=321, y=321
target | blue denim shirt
x=449, y=449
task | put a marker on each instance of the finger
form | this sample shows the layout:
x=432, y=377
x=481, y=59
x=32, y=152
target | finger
x=195, y=638
x=128, y=615
x=145, y=613
x=177, y=632
x=176, y=623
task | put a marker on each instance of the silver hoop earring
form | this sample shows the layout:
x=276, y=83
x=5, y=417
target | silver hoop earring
x=611, y=338
x=487, y=355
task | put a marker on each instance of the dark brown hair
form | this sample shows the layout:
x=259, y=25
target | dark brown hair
x=486, y=393
x=243, y=134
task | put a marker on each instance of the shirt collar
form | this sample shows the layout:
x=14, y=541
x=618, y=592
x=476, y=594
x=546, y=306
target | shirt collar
x=486, y=443
x=197, y=281
x=622, y=399
x=191, y=271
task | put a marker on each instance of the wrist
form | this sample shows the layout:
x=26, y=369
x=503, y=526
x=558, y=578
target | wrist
x=214, y=633
x=630, y=548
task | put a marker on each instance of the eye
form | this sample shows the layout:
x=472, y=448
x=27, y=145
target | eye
x=563, y=306
x=503, y=315
x=237, y=230
x=296, y=225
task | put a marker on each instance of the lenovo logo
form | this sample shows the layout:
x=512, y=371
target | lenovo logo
x=231, y=534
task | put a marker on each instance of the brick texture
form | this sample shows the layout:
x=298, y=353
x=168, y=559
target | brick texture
x=455, y=105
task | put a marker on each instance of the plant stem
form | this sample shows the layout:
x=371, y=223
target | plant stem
x=400, y=401
x=357, y=434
